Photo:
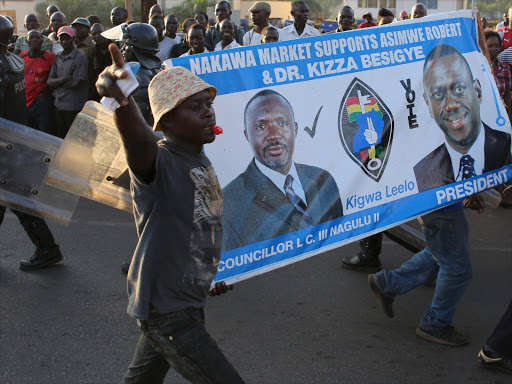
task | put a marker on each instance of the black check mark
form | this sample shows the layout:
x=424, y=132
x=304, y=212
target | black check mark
x=311, y=131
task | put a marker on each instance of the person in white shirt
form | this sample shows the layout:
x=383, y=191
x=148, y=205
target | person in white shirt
x=504, y=23
x=171, y=27
x=196, y=34
x=57, y=20
x=227, y=34
x=300, y=28
x=260, y=13
x=165, y=43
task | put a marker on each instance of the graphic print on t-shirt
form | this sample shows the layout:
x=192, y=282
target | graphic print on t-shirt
x=206, y=237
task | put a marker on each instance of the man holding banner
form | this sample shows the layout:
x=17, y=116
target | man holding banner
x=453, y=98
x=276, y=195
x=177, y=206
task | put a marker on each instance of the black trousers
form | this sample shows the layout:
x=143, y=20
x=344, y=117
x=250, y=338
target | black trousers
x=371, y=246
x=64, y=121
x=501, y=338
x=40, y=114
x=35, y=227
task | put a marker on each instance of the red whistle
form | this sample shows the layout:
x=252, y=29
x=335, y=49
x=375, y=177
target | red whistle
x=216, y=129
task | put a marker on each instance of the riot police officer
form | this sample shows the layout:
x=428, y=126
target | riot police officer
x=13, y=107
x=140, y=44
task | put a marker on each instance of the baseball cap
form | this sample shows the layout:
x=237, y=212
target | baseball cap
x=170, y=87
x=260, y=6
x=368, y=14
x=83, y=21
x=403, y=14
x=67, y=30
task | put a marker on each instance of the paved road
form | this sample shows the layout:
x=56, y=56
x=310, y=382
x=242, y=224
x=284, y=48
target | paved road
x=311, y=322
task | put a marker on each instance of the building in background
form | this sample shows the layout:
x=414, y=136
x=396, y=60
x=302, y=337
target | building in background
x=360, y=7
x=17, y=9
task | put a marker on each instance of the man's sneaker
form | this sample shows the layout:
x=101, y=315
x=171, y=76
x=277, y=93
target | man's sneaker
x=494, y=360
x=385, y=302
x=361, y=263
x=446, y=336
x=42, y=259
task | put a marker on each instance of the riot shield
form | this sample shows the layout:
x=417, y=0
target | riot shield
x=25, y=157
x=91, y=161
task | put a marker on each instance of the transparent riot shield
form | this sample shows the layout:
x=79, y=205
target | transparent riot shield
x=25, y=157
x=91, y=161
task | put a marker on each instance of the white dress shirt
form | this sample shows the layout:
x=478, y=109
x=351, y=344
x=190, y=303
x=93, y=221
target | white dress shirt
x=252, y=38
x=477, y=152
x=188, y=52
x=165, y=47
x=290, y=33
x=233, y=44
x=278, y=179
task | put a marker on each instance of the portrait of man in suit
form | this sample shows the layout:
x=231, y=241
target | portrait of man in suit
x=274, y=195
x=453, y=97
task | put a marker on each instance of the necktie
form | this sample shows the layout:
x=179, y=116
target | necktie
x=296, y=200
x=467, y=167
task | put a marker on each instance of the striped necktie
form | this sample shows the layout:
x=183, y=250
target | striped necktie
x=296, y=200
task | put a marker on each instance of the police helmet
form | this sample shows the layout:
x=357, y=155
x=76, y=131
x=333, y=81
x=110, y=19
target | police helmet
x=141, y=36
x=6, y=30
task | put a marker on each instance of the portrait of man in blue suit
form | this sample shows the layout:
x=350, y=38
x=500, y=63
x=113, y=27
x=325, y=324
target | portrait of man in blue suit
x=274, y=195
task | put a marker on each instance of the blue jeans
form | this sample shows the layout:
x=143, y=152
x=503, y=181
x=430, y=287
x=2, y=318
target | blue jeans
x=179, y=340
x=447, y=256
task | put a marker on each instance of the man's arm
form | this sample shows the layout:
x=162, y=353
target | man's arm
x=57, y=82
x=79, y=75
x=72, y=83
x=138, y=140
x=54, y=81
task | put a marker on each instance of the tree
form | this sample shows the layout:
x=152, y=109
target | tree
x=189, y=8
x=491, y=9
x=74, y=8
x=145, y=6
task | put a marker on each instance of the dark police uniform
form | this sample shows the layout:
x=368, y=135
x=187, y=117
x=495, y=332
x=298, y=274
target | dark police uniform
x=13, y=107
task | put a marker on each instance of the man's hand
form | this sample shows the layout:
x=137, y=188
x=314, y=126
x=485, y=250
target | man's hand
x=475, y=202
x=106, y=84
x=66, y=79
x=220, y=288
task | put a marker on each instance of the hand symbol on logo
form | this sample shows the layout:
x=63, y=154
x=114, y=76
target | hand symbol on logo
x=370, y=133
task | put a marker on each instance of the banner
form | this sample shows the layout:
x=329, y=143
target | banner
x=374, y=123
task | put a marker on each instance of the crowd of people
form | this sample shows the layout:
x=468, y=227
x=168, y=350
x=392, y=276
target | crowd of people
x=52, y=73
